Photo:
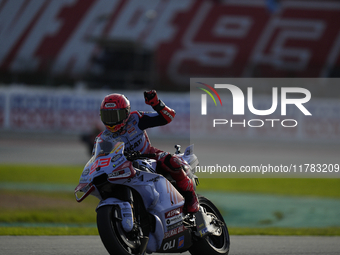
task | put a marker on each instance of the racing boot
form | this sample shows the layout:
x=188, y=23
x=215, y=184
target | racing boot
x=186, y=188
x=173, y=165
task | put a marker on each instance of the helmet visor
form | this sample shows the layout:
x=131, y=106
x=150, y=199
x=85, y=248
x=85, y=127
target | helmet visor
x=113, y=117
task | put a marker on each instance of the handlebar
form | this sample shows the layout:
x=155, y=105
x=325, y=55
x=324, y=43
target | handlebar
x=133, y=155
x=148, y=155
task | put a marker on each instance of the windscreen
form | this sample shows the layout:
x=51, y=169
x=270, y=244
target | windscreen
x=104, y=148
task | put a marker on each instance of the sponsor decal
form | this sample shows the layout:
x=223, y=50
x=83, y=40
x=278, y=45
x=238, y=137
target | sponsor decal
x=86, y=172
x=167, y=114
x=131, y=130
x=173, y=212
x=203, y=231
x=173, y=220
x=119, y=162
x=106, y=134
x=117, y=148
x=174, y=232
x=180, y=242
x=162, y=155
x=83, y=179
x=174, y=225
x=169, y=245
x=135, y=145
x=133, y=133
x=110, y=105
x=120, y=173
x=116, y=157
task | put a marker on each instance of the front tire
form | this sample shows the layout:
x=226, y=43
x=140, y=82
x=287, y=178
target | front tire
x=212, y=244
x=112, y=234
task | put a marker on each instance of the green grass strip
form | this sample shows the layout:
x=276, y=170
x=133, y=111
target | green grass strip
x=329, y=231
x=317, y=187
x=49, y=216
x=320, y=187
x=41, y=174
x=47, y=231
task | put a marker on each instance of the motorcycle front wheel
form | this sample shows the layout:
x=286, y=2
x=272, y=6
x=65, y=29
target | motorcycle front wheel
x=112, y=234
x=212, y=244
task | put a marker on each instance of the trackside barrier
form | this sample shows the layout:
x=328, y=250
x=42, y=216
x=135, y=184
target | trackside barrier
x=77, y=111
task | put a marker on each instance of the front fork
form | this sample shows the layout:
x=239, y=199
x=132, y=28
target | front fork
x=128, y=215
x=207, y=223
x=126, y=211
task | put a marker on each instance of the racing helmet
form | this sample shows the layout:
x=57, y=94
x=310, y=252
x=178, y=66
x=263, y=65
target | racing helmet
x=115, y=111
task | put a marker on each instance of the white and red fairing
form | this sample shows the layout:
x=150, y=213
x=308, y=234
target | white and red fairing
x=154, y=188
x=160, y=197
x=109, y=160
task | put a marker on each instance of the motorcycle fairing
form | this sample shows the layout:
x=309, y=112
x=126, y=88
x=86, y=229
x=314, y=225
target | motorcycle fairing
x=86, y=188
x=108, y=158
x=158, y=194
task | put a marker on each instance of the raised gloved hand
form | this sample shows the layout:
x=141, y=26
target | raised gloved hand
x=151, y=97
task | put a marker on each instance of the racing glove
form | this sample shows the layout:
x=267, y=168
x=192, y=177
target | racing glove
x=151, y=98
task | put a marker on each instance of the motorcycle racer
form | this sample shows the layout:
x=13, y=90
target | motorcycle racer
x=130, y=128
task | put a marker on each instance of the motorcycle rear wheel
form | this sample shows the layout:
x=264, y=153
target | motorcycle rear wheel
x=212, y=244
x=112, y=234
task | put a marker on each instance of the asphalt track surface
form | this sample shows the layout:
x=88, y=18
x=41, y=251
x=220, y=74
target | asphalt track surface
x=240, y=245
x=69, y=150
x=28, y=148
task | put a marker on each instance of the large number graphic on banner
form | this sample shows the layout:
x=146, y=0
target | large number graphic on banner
x=237, y=38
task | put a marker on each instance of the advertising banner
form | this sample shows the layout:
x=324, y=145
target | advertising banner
x=189, y=38
x=72, y=111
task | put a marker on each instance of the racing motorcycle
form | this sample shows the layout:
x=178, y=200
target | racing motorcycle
x=141, y=211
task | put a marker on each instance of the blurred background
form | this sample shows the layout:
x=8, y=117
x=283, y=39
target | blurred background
x=59, y=58
x=64, y=55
